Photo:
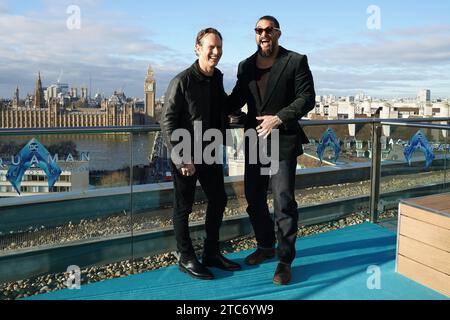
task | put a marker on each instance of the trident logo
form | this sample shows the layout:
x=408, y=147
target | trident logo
x=419, y=142
x=329, y=139
x=33, y=155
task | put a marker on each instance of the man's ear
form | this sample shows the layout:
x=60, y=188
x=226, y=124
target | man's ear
x=197, y=49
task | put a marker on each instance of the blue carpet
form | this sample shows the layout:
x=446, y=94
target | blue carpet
x=331, y=265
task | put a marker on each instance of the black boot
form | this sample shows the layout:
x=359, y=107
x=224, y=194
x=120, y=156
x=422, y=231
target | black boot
x=217, y=260
x=194, y=268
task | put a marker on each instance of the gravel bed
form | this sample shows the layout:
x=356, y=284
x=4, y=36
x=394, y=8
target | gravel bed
x=119, y=224
x=53, y=282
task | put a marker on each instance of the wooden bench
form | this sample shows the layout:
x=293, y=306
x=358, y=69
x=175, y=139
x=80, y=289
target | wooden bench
x=423, y=242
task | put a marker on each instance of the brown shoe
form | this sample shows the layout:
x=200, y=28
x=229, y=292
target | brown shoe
x=259, y=256
x=282, y=274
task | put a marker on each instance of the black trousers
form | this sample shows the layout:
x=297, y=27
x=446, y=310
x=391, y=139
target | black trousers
x=211, y=180
x=284, y=228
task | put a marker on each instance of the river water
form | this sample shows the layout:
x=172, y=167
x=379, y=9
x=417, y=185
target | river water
x=107, y=151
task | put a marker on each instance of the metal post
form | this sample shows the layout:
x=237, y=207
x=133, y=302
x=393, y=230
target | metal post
x=375, y=173
x=131, y=200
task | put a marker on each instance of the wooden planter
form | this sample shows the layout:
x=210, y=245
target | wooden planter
x=423, y=242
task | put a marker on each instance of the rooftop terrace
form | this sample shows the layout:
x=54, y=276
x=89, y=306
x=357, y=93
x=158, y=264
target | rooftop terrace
x=334, y=265
x=121, y=219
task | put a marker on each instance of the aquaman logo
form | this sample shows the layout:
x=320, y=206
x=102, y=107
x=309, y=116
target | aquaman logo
x=33, y=155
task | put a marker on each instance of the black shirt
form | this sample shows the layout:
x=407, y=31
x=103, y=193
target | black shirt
x=211, y=112
x=262, y=76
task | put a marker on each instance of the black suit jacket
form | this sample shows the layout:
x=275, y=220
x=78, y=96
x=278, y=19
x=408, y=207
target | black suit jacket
x=289, y=94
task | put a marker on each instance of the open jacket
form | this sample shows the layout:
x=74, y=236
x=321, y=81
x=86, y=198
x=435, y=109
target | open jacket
x=289, y=94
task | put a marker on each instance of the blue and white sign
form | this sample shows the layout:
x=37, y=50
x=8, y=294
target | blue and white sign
x=329, y=139
x=419, y=142
x=33, y=155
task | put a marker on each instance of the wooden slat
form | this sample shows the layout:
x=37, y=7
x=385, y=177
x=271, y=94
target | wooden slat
x=424, y=275
x=427, y=255
x=437, y=202
x=424, y=215
x=421, y=231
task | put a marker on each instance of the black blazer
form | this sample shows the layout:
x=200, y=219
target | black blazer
x=289, y=94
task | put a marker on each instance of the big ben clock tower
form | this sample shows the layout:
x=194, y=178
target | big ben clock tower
x=149, y=91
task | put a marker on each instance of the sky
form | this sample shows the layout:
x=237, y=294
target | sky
x=384, y=48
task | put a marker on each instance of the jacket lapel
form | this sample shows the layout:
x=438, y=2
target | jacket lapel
x=275, y=74
x=253, y=86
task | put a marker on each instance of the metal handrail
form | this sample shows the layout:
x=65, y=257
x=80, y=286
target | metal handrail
x=369, y=120
x=80, y=130
x=418, y=125
x=156, y=127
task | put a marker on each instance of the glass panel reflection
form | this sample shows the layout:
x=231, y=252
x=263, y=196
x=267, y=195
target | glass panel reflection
x=88, y=202
x=413, y=163
x=344, y=177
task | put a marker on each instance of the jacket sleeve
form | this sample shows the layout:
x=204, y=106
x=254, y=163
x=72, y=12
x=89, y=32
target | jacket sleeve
x=172, y=112
x=304, y=92
x=238, y=97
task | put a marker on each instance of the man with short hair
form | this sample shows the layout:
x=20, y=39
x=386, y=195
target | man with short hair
x=197, y=94
x=278, y=87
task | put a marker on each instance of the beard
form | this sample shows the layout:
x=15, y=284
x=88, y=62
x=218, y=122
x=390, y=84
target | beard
x=267, y=53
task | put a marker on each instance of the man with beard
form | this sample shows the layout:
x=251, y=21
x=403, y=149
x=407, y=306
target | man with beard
x=197, y=95
x=278, y=87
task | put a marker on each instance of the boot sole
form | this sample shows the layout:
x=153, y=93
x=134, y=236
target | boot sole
x=258, y=262
x=281, y=283
x=222, y=268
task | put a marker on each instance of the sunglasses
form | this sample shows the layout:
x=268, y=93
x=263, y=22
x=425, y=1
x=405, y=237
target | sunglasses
x=268, y=30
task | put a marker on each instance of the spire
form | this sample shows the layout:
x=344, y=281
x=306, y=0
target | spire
x=150, y=72
x=39, y=101
x=16, y=98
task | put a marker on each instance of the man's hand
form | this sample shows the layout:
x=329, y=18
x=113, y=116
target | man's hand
x=267, y=125
x=187, y=170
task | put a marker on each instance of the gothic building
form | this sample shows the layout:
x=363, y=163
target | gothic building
x=39, y=101
x=116, y=111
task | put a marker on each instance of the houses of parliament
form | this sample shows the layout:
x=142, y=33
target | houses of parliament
x=67, y=110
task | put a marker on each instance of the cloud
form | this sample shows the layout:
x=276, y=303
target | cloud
x=114, y=55
x=384, y=51
x=386, y=63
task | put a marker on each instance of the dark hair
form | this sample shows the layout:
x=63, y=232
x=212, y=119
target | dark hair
x=270, y=18
x=204, y=32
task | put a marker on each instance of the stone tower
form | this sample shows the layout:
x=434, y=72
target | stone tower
x=16, y=98
x=149, y=92
x=38, y=101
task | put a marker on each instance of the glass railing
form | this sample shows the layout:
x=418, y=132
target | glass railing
x=414, y=161
x=334, y=180
x=99, y=196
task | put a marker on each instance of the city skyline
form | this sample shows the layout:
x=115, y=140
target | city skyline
x=117, y=41
x=72, y=90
